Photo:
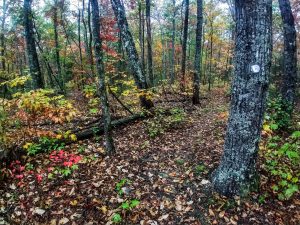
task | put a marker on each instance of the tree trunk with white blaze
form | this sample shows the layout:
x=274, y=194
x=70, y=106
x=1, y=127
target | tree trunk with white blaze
x=133, y=58
x=109, y=145
x=249, y=89
x=289, y=55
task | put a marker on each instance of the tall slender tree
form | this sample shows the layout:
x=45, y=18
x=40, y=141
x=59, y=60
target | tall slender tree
x=33, y=61
x=109, y=145
x=56, y=41
x=133, y=58
x=289, y=55
x=173, y=42
x=2, y=34
x=142, y=33
x=184, y=44
x=149, y=42
x=197, y=67
x=249, y=89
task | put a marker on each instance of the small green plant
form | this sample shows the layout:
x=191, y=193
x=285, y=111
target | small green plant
x=121, y=184
x=164, y=121
x=262, y=198
x=81, y=149
x=44, y=144
x=179, y=161
x=282, y=162
x=129, y=205
x=278, y=114
x=116, y=218
x=199, y=169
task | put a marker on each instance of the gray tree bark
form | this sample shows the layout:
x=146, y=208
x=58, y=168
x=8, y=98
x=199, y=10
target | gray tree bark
x=173, y=43
x=149, y=42
x=184, y=44
x=109, y=145
x=142, y=34
x=57, y=46
x=197, y=67
x=33, y=61
x=289, y=56
x=252, y=67
x=2, y=35
x=129, y=45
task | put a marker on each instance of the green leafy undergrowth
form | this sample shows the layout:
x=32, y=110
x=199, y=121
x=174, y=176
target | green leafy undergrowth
x=43, y=145
x=126, y=206
x=164, y=121
x=278, y=114
x=282, y=163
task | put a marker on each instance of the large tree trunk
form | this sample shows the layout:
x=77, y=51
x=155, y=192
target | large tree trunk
x=197, y=72
x=289, y=55
x=109, y=145
x=250, y=85
x=131, y=51
x=149, y=42
x=34, y=66
x=184, y=43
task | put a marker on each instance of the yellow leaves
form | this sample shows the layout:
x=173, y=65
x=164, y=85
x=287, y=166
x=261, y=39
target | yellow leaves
x=266, y=131
x=27, y=145
x=18, y=81
x=66, y=135
x=74, y=202
x=266, y=128
x=104, y=209
x=73, y=137
x=59, y=136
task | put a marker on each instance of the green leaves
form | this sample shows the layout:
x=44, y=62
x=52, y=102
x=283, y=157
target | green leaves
x=121, y=183
x=282, y=161
x=134, y=203
x=296, y=135
x=129, y=205
x=165, y=120
x=116, y=218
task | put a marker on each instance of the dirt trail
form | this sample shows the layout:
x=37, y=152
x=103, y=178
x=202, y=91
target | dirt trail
x=168, y=174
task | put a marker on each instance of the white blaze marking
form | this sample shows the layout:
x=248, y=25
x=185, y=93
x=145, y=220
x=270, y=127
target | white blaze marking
x=255, y=68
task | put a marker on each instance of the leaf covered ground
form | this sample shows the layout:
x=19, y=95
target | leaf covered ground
x=167, y=176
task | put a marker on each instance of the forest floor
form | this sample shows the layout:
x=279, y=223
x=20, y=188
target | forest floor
x=168, y=174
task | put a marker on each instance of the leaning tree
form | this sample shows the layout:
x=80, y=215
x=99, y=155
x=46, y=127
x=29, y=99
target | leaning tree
x=133, y=58
x=249, y=90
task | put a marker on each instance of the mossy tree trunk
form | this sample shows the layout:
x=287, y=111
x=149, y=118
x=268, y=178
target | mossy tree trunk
x=133, y=58
x=249, y=90
x=109, y=145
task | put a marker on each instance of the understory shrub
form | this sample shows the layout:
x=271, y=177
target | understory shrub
x=282, y=163
x=165, y=120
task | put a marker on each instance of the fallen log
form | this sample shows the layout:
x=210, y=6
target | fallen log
x=98, y=129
